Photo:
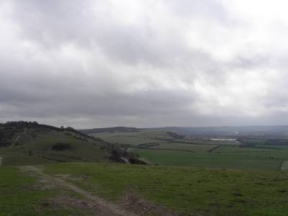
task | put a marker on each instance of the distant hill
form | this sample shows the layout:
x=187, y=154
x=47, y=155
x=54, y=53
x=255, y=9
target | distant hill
x=268, y=132
x=235, y=132
x=110, y=130
x=25, y=143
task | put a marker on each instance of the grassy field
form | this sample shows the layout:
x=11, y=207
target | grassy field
x=284, y=165
x=133, y=138
x=143, y=190
x=184, y=147
x=121, y=139
x=20, y=194
x=207, y=141
x=223, y=157
x=152, y=136
x=157, y=147
x=184, y=190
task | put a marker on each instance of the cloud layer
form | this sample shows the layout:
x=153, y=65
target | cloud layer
x=144, y=63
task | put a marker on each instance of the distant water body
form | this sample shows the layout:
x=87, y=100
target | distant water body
x=222, y=139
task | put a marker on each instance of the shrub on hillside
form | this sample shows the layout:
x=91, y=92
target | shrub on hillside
x=61, y=146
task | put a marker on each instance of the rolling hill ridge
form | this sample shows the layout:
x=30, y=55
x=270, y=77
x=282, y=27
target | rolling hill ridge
x=28, y=143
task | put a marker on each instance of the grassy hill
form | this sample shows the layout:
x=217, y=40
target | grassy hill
x=25, y=143
x=110, y=130
x=195, y=176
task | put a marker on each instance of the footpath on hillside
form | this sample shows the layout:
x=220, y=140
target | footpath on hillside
x=104, y=208
x=284, y=166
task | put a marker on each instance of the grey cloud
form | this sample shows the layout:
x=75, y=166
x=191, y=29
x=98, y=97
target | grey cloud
x=256, y=61
x=157, y=103
x=73, y=61
x=210, y=9
x=54, y=22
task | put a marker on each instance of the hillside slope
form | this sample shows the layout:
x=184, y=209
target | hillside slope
x=115, y=189
x=26, y=143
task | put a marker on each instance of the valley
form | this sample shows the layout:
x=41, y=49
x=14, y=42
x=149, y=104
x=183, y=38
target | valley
x=47, y=170
x=248, y=150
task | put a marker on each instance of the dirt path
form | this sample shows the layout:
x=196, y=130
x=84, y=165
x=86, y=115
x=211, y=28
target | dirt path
x=16, y=140
x=284, y=166
x=18, y=137
x=105, y=207
x=125, y=160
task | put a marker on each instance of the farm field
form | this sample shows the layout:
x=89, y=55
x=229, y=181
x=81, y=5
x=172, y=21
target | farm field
x=221, y=157
x=131, y=138
x=207, y=141
x=154, y=136
x=184, y=147
x=163, y=149
x=209, y=160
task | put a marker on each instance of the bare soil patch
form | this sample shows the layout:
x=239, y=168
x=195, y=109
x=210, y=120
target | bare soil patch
x=140, y=206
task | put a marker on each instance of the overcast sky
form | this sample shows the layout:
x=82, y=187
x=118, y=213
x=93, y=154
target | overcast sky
x=144, y=63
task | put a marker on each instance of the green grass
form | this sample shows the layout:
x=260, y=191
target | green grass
x=184, y=147
x=255, y=141
x=80, y=148
x=223, y=157
x=265, y=146
x=38, y=149
x=132, y=138
x=186, y=190
x=284, y=165
x=17, y=196
x=265, y=154
x=22, y=193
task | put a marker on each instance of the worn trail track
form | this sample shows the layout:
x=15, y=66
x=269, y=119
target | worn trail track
x=105, y=207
